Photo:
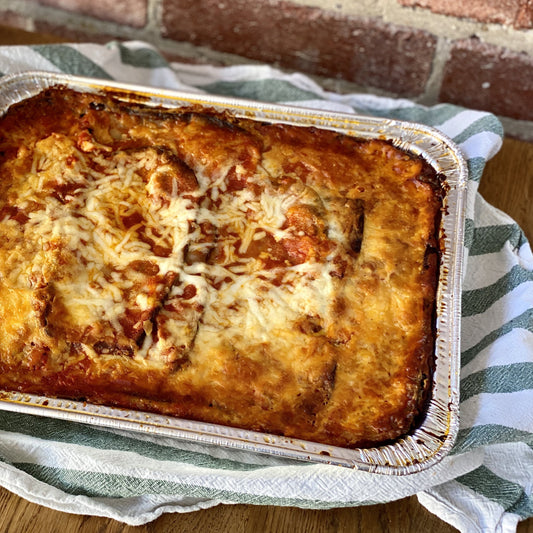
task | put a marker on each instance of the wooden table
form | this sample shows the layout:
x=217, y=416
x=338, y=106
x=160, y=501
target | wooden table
x=508, y=184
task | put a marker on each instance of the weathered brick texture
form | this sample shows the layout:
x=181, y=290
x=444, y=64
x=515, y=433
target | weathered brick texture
x=129, y=12
x=376, y=56
x=483, y=76
x=364, y=51
x=516, y=13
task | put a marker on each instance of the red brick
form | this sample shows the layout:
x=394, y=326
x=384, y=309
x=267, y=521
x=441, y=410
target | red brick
x=364, y=51
x=483, y=76
x=129, y=12
x=517, y=13
x=524, y=18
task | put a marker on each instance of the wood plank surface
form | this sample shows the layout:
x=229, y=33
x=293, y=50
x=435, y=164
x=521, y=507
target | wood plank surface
x=508, y=184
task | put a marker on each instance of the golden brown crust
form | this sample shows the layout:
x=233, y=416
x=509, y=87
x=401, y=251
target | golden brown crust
x=263, y=276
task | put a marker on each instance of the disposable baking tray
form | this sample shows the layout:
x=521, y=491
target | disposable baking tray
x=434, y=437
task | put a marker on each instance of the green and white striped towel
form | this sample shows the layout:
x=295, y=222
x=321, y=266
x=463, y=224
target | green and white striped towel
x=484, y=485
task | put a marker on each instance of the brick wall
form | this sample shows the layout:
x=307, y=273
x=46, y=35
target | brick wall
x=476, y=53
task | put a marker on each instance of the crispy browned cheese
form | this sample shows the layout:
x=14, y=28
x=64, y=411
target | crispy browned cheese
x=263, y=276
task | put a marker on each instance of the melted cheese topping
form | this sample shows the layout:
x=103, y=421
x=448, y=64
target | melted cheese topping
x=268, y=277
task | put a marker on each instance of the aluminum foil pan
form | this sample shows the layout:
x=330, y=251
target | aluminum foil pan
x=435, y=435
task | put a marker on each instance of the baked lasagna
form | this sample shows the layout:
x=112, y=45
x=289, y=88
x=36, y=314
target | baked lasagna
x=187, y=262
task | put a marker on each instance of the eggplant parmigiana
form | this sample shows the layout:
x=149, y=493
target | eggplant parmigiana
x=186, y=262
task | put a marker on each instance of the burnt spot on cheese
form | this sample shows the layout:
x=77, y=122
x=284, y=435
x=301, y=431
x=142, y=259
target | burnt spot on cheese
x=356, y=229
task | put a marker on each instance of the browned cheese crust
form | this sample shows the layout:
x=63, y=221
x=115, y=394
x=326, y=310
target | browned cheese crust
x=262, y=276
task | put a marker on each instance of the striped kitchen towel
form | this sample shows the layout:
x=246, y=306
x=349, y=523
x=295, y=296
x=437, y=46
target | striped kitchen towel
x=484, y=485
